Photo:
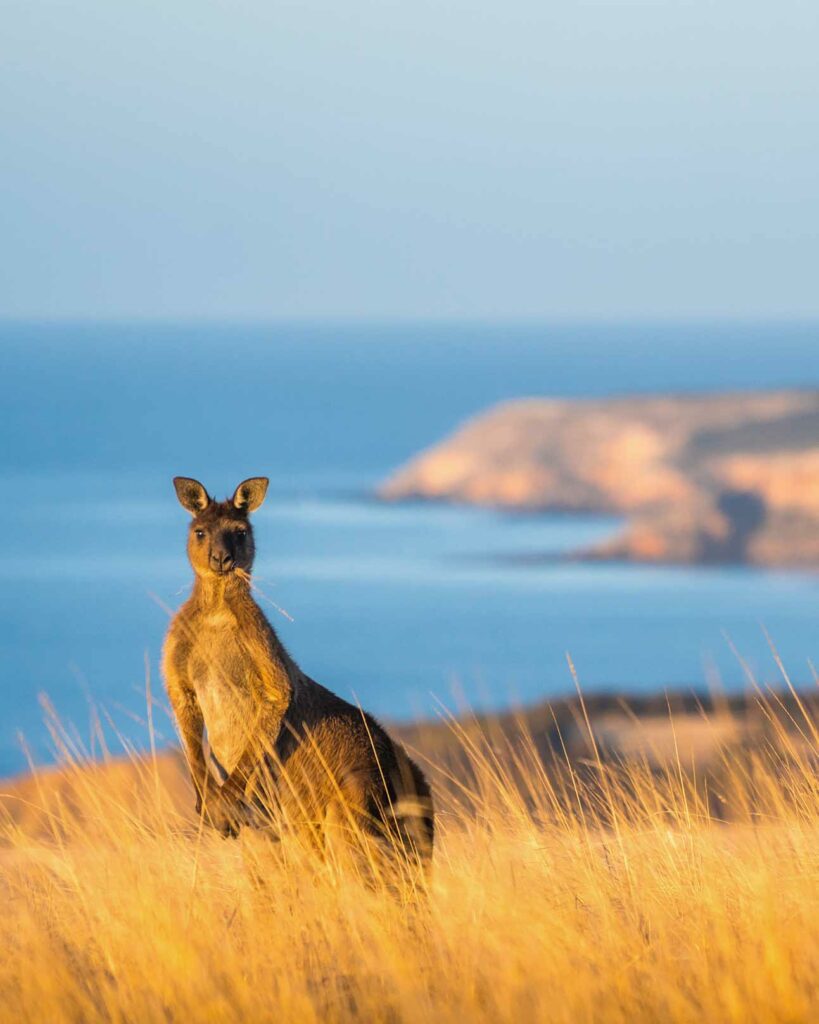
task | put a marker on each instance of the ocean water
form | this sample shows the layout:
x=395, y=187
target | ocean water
x=400, y=607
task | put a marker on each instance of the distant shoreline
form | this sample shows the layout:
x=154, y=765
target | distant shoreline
x=699, y=479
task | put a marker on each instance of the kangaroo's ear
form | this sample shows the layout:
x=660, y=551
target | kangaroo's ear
x=250, y=493
x=192, y=495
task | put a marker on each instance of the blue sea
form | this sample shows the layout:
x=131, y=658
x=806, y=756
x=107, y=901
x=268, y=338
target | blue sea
x=402, y=608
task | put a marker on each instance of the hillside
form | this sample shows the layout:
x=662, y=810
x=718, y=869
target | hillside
x=725, y=478
x=616, y=882
x=696, y=729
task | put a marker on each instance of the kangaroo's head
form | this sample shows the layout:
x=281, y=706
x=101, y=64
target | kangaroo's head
x=220, y=538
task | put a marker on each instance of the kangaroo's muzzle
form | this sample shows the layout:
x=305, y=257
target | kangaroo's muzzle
x=221, y=561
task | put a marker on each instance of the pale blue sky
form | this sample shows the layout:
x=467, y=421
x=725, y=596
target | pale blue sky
x=432, y=158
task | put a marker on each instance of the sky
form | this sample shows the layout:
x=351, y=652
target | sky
x=376, y=159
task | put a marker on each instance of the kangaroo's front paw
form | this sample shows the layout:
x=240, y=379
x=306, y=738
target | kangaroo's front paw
x=226, y=816
x=220, y=813
x=226, y=824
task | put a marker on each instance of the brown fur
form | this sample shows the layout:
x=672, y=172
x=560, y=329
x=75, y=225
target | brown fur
x=285, y=746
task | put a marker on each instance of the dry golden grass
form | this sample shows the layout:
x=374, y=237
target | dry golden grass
x=559, y=893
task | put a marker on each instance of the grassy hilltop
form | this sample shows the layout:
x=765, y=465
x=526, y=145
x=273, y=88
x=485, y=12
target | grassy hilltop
x=590, y=866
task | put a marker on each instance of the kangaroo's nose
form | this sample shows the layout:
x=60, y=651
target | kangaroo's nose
x=221, y=561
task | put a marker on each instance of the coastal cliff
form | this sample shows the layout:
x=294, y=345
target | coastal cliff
x=723, y=478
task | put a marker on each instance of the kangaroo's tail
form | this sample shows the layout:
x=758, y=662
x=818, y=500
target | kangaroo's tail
x=411, y=810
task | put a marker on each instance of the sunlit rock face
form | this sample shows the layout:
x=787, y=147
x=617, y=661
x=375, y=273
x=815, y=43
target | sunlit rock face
x=701, y=478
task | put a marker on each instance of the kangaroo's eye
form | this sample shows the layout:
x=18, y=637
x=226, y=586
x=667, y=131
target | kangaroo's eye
x=199, y=533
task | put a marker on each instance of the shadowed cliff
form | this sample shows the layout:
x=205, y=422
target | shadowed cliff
x=729, y=478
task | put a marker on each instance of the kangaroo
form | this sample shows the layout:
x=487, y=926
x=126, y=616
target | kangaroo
x=280, y=741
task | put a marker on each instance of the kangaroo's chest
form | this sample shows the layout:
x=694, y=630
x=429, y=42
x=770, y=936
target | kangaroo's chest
x=222, y=672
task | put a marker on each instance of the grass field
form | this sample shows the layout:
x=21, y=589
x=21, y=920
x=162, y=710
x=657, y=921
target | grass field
x=560, y=892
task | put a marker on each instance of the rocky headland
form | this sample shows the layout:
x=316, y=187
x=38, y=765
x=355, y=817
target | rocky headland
x=707, y=479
